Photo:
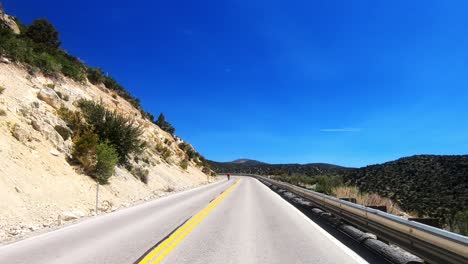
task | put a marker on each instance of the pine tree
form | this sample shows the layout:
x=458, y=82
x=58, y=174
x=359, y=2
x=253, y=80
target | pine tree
x=164, y=125
x=44, y=33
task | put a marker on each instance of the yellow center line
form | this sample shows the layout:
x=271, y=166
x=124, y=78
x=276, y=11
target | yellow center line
x=163, y=249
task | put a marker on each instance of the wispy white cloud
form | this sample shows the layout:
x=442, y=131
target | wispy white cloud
x=340, y=130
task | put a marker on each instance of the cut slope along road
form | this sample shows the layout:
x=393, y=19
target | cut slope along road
x=235, y=221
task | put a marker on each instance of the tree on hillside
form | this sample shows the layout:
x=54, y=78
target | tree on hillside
x=44, y=33
x=95, y=75
x=164, y=125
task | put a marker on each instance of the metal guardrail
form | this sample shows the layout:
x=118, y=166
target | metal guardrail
x=432, y=244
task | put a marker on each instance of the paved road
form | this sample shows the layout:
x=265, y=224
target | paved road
x=248, y=223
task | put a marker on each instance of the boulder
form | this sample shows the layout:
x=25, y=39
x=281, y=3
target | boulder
x=9, y=22
x=20, y=134
x=72, y=215
x=36, y=125
x=106, y=206
x=14, y=231
x=4, y=60
x=58, y=142
x=54, y=152
x=50, y=97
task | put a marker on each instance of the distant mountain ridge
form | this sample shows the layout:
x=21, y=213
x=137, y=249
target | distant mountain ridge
x=257, y=167
x=247, y=162
x=428, y=185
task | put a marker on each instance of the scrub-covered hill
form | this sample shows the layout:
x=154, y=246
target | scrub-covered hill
x=65, y=126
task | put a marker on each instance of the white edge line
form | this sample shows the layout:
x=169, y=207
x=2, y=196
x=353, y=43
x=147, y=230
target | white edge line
x=347, y=250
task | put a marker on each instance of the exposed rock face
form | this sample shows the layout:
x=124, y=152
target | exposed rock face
x=50, y=97
x=20, y=134
x=44, y=121
x=42, y=188
x=5, y=60
x=54, y=152
x=6, y=20
x=36, y=126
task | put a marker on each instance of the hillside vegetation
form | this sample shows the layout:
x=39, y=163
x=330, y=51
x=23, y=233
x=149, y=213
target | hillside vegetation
x=97, y=133
x=424, y=185
x=429, y=185
x=65, y=126
x=256, y=167
x=38, y=47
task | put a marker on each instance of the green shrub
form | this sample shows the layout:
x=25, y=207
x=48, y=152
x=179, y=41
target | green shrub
x=460, y=223
x=206, y=170
x=50, y=61
x=84, y=150
x=164, y=152
x=166, y=155
x=299, y=180
x=62, y=96
x=72, y=67
x=50, y=85
x=44, y=34
x=47, y=64
x=325, y=184
x=112, y=84
x=2, y=112
x=2, y=89
x=95, y=75
x=184, y=146
x=120, y=131
x=128, y=166
x=63, y=132
x=73, y=119
x=164, y=125
x=191, y=153
x=147, y=115
x=141, y=174
x=106, y=159
x=184, y=164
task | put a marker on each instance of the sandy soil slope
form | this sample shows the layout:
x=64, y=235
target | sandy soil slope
x=38, y=188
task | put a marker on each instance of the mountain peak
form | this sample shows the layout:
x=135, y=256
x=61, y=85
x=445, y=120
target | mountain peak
x=247, y=161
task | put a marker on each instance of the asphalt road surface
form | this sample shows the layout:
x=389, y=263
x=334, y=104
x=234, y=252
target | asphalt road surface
x=236, y=221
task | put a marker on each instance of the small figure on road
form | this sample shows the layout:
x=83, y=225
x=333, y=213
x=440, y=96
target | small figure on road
x=228, y=176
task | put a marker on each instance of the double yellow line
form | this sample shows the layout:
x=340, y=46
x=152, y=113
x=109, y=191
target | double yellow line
x=161, y=251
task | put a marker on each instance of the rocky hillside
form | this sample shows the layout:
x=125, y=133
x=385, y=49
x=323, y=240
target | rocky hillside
x=43, y=182
x=8, y=21
x=38, y=186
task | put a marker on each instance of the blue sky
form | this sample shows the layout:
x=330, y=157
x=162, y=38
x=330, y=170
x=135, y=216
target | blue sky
x=345, y=82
